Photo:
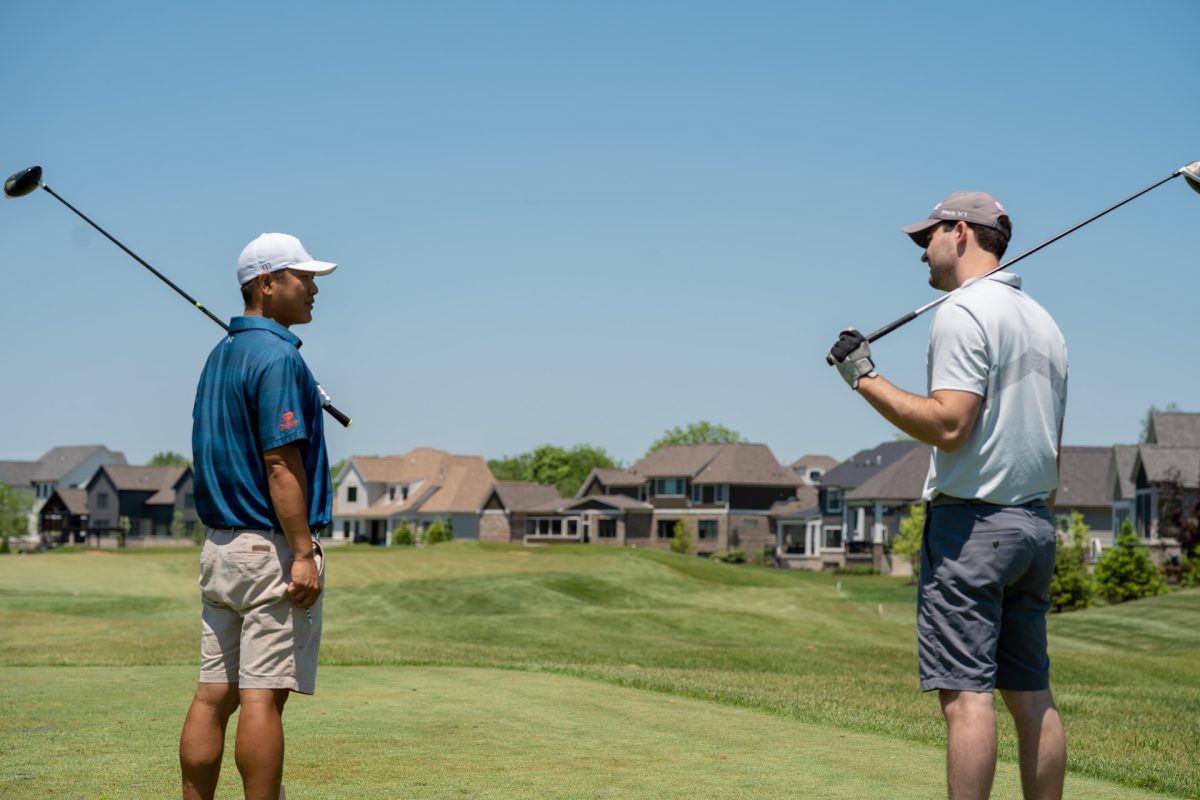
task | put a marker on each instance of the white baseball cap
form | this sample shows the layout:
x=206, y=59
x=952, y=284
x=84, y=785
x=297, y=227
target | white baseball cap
x=271, y=252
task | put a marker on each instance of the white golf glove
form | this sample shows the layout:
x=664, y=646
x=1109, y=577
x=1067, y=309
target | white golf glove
x=851, y=354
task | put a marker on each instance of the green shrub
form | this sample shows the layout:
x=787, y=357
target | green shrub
x=907, y=541
x=403, y=535
x=681, y=542
x=5, y=547
x=1126, y=571
x=730, y=556
x=857, y=569
x=438, y=532
x=1189, y=571
x=1072, y=587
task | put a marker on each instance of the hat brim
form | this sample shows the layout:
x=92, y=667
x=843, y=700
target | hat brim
x=919, y=231
x=315, y=267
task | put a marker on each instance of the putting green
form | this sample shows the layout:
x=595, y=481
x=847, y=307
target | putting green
x=433, y=732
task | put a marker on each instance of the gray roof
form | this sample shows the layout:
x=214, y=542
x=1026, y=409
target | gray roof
x=865, y=464
x=61, y=460
x=144, y=479
x=1083, y=477
x=1174, y=429
x=18, y=474
x=615, y=477
x=618, y=501
x=1170, y=464
x=902, y=478
x=1120, y=471
x=708, y=464
x=803, y=505
x=522, y=496
x=75, y=500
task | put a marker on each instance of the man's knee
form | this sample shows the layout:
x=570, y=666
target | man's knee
x=219, y=699
x=1028, y=706
x=263, y=700
x=965, y=705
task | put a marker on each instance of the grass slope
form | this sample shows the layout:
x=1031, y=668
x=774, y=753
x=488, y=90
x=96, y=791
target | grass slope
x=789, y=644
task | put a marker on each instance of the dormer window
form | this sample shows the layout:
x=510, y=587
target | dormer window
x=670, y=487
x=351, y=494
x=391, y=493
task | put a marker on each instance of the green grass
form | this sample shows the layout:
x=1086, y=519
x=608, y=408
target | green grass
x=784, y=665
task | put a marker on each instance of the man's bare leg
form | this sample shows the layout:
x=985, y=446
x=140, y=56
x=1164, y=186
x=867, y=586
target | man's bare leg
x=202, y=743
x=1042, y=743
x=971, y=743
x=259, y=746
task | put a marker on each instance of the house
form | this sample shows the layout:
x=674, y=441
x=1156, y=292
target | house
x=64, y=517
x=724, y=494
x=811, y=468
x=58, y=468
x=1083, y=476
x=373, y=495
x=510, y=505
x=148, y=497
x=862, y=501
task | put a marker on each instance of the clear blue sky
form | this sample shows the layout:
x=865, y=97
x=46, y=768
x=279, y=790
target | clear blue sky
x=583, y=222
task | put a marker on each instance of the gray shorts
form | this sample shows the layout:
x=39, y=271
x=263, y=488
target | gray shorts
x=253, y=635
x=985, y=591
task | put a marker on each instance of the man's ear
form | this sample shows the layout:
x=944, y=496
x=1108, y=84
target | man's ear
x=266, y=283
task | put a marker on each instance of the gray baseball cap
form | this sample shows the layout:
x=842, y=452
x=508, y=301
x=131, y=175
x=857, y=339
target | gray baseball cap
x=974, y=207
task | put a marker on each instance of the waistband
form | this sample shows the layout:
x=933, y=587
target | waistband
x=259, y=531
x=947, y=500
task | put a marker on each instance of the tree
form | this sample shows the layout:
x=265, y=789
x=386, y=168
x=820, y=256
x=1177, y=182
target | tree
x=437, y=533
x=403, y=535
x=681, y=542
x=15, y=505
x=907, y=541
x=168, y=458
x=697, y=433
x=1146, y=420
x=1126, y=571
x=178, y=526
x=336, y=470
x=554, y=466
x=1071, y=587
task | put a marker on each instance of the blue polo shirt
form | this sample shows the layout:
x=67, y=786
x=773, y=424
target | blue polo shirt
x=256, y=394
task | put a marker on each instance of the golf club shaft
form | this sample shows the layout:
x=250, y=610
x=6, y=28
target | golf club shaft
x=325, y=402
x=910, y=316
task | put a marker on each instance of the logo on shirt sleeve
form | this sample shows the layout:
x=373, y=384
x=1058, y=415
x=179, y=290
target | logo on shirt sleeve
x=289, y=421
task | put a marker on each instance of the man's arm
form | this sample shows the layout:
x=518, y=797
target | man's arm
x=286, y=484
x=944, y=420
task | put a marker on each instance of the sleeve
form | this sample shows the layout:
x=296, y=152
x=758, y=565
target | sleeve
x=281, y=406
x=958, y=352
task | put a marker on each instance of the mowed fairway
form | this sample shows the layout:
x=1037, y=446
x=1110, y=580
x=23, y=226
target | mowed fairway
x=488, y=671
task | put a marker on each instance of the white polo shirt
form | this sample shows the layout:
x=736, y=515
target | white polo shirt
x=993, y=340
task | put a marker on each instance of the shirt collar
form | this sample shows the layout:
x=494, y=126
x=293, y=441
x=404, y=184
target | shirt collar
x=1008, y=278
x=239, y=324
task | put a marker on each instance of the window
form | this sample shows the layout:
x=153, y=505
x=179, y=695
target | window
x=544, y=526
x=697, y=494
x=815, y=474
x=670, y=487
x=833, y=501
x=706, y=530
x=189, y=500
x=351, y=494
x=391, y=493
x=833, y=538
x=403, y=492
x=346, y=528
x=720, y=494
x=666, y=528
x=750, y=524
x=795, y=539
x=102, y=500
x=608, y=529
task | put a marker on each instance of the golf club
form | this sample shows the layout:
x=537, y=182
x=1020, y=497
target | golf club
x=1190, y=173
x=27, y=180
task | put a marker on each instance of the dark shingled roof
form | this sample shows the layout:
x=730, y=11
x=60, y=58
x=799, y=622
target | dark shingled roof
x=144, y=479
x=75, y=500
x=803, y=505
x=1174, y=429
x=902, y=479
x=618, y=501
x=1170, y=464
x=18, y=474
x=616, y=477
x=1120, y=471
x=61, y=460
x=709, y=464
x=865, y=464
x=521, y=496
x=1083, y=477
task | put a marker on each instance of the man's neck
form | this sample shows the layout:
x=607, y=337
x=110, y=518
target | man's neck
x=971, y=268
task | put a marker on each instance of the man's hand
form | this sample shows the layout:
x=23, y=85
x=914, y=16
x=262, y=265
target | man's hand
x=305, y=587
x=851, y=354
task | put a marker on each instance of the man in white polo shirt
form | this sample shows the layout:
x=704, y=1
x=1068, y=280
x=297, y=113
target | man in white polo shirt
x=997, y=367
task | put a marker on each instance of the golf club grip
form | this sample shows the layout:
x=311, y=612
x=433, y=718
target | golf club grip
x=891, y=326
x=339, y=416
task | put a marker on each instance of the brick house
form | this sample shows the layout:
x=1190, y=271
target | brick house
x=509, y=506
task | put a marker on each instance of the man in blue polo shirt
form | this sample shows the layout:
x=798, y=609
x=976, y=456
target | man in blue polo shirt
x=262, y=488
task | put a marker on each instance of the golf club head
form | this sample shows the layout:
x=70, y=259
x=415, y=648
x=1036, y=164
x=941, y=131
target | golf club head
x=1191, y=174
x=25, y=181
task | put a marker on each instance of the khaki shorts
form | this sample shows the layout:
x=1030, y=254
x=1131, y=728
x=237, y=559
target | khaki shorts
x=253, y=635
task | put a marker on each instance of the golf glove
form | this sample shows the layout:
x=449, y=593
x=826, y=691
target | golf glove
x=851, y=354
